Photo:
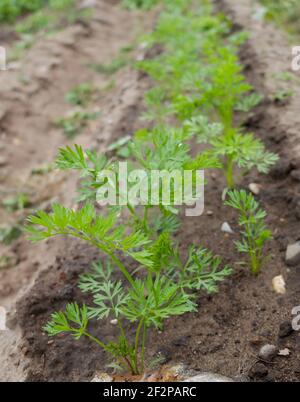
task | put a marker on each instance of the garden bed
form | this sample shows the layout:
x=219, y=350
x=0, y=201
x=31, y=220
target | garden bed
x=226, y=333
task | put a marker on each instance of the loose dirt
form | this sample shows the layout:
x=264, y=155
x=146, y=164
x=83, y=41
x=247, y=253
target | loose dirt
x=224, y=336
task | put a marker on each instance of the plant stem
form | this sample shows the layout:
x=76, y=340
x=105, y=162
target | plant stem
x=122, y=268
x=143, y=348
x=255, y=268
x=129, y=364
x=94, y=339
x=135, y=215
x=229, y=166
x=145, y=220
x=137, y=337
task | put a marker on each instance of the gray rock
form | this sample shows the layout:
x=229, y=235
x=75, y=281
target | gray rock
x=285, y=329
x=259, y=370
x=295, y=174
x=208, y=377
x=226, y=228
x=268, y=352
x=292, y=256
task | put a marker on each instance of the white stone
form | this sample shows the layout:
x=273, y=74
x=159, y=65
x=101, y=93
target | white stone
x=292, y=256
x=284, y=352
x=254, y=188
x=278, y=284
x=226, y=228
x=114, y=322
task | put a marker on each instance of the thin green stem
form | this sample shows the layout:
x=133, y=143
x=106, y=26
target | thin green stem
x=143, y=348
x=137, y=338
x=136, y=216
x=104, y=249
x=122, y=268
x=145, y=220
x=229, y=167
x=94, y=339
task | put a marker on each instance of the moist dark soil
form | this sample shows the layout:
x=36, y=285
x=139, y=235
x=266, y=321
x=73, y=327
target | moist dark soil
x=226, y=333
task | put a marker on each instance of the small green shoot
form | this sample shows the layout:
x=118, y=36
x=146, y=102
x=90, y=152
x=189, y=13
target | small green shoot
x=9, y=233
x=139, y=4
x=75, y=122
x=110, y=68
x=254, y=233
x=282, y=96
x=81, y=95
x=19, y=202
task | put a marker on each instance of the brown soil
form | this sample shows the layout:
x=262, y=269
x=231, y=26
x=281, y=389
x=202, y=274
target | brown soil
x=226, y=333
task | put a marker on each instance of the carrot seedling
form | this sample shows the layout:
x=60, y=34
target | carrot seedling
x=254, y=233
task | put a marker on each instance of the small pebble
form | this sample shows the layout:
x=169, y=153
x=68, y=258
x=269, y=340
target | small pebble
x=226, y=228
x=285, y=329
x=284, y=352
x=268, y=352
x=114, y=322
x=292, y=256
x=254, y=188
x=259, y=370
x=278, y=284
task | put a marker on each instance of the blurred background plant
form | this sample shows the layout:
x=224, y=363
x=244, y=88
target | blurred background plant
x=285, y=13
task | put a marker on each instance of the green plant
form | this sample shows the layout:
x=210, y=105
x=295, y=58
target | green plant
x=110, y=68
x=19, y=202
x=43, y=169
x=80, y=95
x=9, y=233
x=142, y=4
x=11, y=9
x=233, y=148
x=199, y=88
x=200, y=81
x=145, y=301
x=284, y=13
x=75, y=122
x=254, y=232
x=282, y=95
x=248, y=103
x=34, y=23
x=161, y=149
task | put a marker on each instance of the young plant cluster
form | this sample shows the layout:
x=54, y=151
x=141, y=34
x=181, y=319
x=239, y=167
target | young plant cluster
x=204, y=99
x=32, y=19
x=11, y=9
x=285, y=13
x=145, y=277
x=139, y=4
x=254, y=232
